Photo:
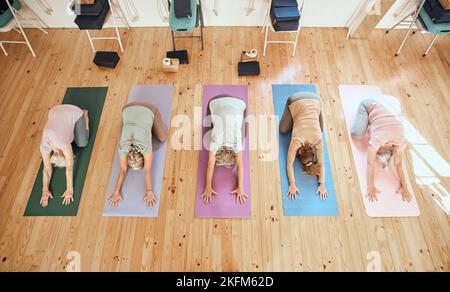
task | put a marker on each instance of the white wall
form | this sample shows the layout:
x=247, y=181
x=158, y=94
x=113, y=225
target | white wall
x=317, y=13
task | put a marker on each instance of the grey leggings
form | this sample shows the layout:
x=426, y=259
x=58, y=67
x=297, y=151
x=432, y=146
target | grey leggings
x=361, y=122
x=287, y=122
x=81, y=134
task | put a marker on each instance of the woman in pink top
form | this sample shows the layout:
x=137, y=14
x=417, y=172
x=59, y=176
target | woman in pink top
x=66, y=124
x=380, y=118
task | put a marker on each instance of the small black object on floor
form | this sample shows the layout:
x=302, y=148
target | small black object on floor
x=107, y=59
x=249, y=68
x=180, y=55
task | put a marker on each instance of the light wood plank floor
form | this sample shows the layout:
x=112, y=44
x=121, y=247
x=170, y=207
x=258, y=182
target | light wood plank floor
x=175, y=241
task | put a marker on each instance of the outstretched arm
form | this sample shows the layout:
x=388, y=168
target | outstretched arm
x=68, y=194
x=149, y=198
x=322, y=190
x=209, y=192
x=117, y=196
x=293, y=190
x=240, y=192
x=398, y=160
x=46, y=177
x=372, y=192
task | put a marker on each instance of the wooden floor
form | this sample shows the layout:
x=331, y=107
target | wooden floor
x=175, y=241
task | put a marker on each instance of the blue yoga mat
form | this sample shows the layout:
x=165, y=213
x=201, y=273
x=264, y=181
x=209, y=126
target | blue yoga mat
x=308, y=203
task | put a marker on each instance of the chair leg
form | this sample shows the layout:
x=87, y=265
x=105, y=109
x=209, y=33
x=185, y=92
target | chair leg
x=201, y=33
x=173, y=40
x=3, y=49
x=295, y=44
x=202, y=23
x=90, y=41
x=431, y=45
x=265, y=39
x=416, y=16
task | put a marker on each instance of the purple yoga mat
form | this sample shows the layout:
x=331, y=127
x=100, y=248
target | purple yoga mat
x=224, y=204
x=133, y=188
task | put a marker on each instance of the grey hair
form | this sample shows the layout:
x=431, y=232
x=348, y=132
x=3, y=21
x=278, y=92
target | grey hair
x=59, y=160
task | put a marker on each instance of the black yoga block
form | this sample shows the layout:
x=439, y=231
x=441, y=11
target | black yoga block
x=94, y=22
x=180, y=55
x=106, y=59
x=88, y=9
x=249, y=68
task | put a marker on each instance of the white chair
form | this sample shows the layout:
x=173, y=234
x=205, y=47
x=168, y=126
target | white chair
x=268, y=26
x=14, y=24
x=116, y=14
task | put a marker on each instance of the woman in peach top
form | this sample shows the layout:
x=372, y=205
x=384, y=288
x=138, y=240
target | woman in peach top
x=380, y=118
x=303, y=116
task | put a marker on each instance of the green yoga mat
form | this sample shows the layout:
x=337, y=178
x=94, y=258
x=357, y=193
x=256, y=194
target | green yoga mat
x=92, y=100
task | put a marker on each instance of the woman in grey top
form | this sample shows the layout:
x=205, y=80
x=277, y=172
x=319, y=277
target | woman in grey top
x=140, y=121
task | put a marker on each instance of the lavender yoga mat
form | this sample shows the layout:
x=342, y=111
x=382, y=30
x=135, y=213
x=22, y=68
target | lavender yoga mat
x=224, y=204
x=133, y=189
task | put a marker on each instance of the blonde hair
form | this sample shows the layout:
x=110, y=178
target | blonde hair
x=306, y=155
x=225, y=156
x=135, y=159
x=385, y=158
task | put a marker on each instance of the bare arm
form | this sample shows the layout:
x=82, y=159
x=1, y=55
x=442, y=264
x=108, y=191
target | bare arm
x=240, y=192
x=293, y=147
x=47, y=173
x=68, y=154
x=148, y=159
x=321, y=161
x=240, y=171
x=117, y=196
x=293, y=190
x=209, y=192
x=398, y=160
x=210, y=170
x=68, y=194
x=46, y=177
x=372, y=192
x=371, y=162
x=122, y=174
x=149, y=198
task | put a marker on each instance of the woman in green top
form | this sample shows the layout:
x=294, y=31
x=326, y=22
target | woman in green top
x=140, y=121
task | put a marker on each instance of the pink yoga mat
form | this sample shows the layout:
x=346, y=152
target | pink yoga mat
x=224, y=204
x=390, y=203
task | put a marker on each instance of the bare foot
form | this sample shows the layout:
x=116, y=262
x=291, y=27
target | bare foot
x=86, y=118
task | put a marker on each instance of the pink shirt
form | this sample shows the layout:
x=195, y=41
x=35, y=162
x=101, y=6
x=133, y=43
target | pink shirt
x=385, y=127
x=59, y=130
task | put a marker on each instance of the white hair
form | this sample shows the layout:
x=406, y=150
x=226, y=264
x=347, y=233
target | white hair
x=58, y=160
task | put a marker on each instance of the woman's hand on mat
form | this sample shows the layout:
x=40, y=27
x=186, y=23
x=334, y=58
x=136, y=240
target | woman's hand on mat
x=207, y=195
x=150, y=199
x=293, y=191
x=67, y=197
x=372, y=194
x=406, y=195
x=115, y=199
x=46, y=195
x=322, y=191
x=240, y=196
